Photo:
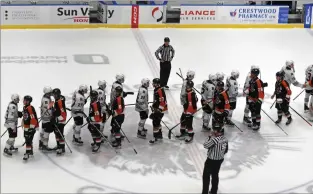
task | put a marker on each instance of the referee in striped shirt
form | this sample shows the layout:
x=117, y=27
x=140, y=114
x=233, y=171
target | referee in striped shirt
x=167, y=54
x=217, y=147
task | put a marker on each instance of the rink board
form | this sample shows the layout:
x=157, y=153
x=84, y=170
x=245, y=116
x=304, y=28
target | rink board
x=82, y=26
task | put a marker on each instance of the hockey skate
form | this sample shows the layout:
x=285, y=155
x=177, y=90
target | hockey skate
x=306, y=109
x=116, y=145
x=46, y=149
x=26, y=157
x=189, y=138
x=182, y=136
x=141, y=134
x=60, y=151
x=13, y=149
x=40, y=145
x=205, y=128
x=247, y=121
x=95, y=149
x=229, y=123
x=255, y=127
x=7, y=152
x=77, y=141
x=154, y=141
x=289, y=121
x=278, y=121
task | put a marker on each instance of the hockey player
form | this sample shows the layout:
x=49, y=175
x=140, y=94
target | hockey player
x=95, y=121
x=189, y=77
x=190, y=107
x=58, y=119
x=282, y=93
x=11, y=119
x=118, y=117
x=78, y=104
x=104, y=107
x=308, y=87
x=120, y=79
x=142, y=107
x=221, y=107
x=289, y=72
x=255, y=98
x=159, y=108
x=232, y=91
x=246, y=118
x=30, y=125
x=46, y=114
x=220, y=77
x=207, y=95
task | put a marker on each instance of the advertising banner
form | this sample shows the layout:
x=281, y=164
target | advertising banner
x=308, y=16
x=234, y=14
x=119, y=14
x=69, y=14
x=151, y=14
x=17, y=15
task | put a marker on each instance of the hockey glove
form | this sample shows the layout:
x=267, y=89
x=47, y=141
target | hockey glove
x=225, y=114
x=109, y=112
x=279, y=101
x=265, y=85
x=20, y=114
x=88, y=120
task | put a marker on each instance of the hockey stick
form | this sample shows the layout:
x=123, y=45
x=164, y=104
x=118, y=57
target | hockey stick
x=298, y=95
x=274, y=122
x=103, y=136
x=125, y=135
x=192, y=87
x=170, y=132
x=273, y=104
x=135, y=104
x=300, y=116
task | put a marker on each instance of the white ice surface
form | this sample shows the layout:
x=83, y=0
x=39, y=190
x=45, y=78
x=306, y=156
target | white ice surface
x=264, y=162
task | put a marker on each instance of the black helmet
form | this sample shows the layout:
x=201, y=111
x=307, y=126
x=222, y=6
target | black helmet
x=56, y=92
x=166, y=39
x=280, y=74
x=220, y=84
x=189, y=84
x=119, y=89
x=93, y=95
x=156, y=81
x=255, y=71
x=28, y=98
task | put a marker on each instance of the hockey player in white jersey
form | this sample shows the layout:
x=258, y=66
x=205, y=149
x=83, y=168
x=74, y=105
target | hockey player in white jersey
x=46, y=115
x=190, y=76
x=232, y=91
x=11, y=119
x=104, y=107
x=289, y=71
x=142, y=106
x=78, y=104
x=207, y=95
x=308, y=88
x=120, y=79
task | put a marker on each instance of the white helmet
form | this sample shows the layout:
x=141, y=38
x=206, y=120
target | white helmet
x=220, y=76
x=120, y=78
x=255, y=67
x=47, y=89
x=235, y=74
x=83, y=88
x=145, y=82
x=212, y=77
x=190, y=75
x=15, y=98
x=289, y=63
x=102, y=84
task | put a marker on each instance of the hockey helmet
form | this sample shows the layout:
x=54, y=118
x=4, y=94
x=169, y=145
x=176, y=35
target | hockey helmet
x=255, y=72
x=47, y=90
x=102, y=84
x=290, y=64
x=28, y=99
x=189, y=85
x=56, y=93
x=145, y=82
x=254, y=67
x=220, y=84
x=156, y=81
x=93, y=95
x=220, y=76
x=120, y=78
x=235, y=74
x=83, y=88
x=190, y=75
x=166, y=39
x=212, y=77
x=118, y=89
x=15, y=98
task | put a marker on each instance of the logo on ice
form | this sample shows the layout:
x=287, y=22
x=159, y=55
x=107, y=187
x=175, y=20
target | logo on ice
x=77, y=15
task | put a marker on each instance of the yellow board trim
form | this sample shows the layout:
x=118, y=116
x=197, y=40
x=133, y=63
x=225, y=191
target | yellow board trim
x=81, y=26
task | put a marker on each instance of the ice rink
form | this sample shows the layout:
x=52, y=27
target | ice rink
x=268, y=161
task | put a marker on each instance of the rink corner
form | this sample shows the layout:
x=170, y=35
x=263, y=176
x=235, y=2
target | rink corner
x=82, y=26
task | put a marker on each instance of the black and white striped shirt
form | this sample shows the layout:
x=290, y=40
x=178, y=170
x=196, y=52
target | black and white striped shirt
x=167, y=53
x=217, y=147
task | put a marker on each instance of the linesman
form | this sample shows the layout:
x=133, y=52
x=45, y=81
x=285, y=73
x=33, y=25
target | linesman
x=167, y=54
x=217, y=146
